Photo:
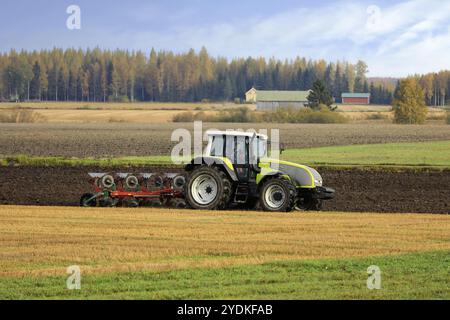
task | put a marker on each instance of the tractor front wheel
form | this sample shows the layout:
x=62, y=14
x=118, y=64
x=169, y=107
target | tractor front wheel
x=278, y=195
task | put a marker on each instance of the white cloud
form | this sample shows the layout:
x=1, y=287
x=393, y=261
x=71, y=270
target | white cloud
x=396, y=40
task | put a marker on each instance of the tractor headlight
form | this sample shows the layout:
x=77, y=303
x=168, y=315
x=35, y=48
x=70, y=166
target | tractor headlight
x=318, y=182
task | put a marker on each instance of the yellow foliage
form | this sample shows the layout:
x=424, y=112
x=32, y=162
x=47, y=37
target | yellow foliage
x=409, y=105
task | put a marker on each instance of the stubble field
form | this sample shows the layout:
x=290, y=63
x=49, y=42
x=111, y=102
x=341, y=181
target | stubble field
x=114, y=247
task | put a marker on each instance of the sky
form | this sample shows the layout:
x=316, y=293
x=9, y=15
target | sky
x=395, y=38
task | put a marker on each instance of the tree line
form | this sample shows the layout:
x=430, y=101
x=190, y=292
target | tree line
x=103, y=75
x=436, y=87
x=120, y=75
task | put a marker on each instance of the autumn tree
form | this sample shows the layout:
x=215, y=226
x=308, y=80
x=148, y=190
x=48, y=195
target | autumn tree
x=409, y=105
x=360, y=79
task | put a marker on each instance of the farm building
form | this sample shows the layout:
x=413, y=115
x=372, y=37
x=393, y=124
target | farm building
x=356, y=98
x=250, y=95
x=269, y=100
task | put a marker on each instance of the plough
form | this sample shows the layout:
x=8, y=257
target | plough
x=133, y=190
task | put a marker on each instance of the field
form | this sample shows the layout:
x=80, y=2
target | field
x=98, y=112
x=376, y=167
x=365, y=190
x=156, y=112
x=49, y=105
x=123, y=140
x=155, y=253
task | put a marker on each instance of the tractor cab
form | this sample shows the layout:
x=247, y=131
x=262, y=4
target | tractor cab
x=242, y=149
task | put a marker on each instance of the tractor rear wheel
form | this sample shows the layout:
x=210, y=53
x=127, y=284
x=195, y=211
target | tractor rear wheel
x=278, y=195
x=208, y=188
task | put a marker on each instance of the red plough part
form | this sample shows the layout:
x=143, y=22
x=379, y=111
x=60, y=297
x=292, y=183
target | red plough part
x=134, y=190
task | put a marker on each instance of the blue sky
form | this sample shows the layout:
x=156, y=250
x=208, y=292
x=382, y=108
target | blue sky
x=395, y=38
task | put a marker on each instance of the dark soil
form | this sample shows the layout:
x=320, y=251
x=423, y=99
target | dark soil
x=386, y=191
x=356, y=190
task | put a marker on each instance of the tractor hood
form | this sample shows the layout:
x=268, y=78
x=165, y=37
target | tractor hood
x=302, y=176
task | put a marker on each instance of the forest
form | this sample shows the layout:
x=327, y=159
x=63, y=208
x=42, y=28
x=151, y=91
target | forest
x=164, y=76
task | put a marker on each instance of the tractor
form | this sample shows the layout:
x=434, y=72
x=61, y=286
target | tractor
x=235, y=170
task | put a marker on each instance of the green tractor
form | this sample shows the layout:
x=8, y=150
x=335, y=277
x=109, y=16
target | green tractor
x=235, y=171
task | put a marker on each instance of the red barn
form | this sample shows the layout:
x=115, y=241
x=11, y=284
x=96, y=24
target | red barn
x=356, y=98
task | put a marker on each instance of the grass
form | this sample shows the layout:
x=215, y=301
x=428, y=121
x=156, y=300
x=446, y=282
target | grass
x=281, y=115
x=165, y=112
x=84, y=105
x=168, y=254
x=378, y=116
x=21, y=116
x=412, y=276
x=433, y=154
x=110, y=112
x=25, y=160
x=416, y=154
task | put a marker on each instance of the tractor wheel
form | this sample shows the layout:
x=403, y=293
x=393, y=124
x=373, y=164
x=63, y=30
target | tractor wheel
x=88, y=200
x=278, y=195
x=208, y=188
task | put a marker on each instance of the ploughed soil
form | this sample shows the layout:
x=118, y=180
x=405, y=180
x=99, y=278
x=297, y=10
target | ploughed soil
x=106, y=140
x=356, y=190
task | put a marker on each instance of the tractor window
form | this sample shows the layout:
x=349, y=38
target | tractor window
x=217, y=146
x=241, y=150
x=262, y=148
x=229, y=153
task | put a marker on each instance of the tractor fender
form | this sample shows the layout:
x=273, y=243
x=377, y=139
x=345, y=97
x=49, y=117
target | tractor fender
x=265, y=175
x=302, y=176
x=221, y=162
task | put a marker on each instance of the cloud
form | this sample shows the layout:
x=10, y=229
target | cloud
x=395, y=40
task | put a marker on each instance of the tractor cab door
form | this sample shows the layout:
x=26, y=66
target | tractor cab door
x=242, y=158
x=238, y=151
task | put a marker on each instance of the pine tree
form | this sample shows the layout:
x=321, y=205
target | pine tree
x=35, y=85
x=319, y=96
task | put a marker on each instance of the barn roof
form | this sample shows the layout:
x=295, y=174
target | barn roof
x=282, y=96
x=355, y=95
